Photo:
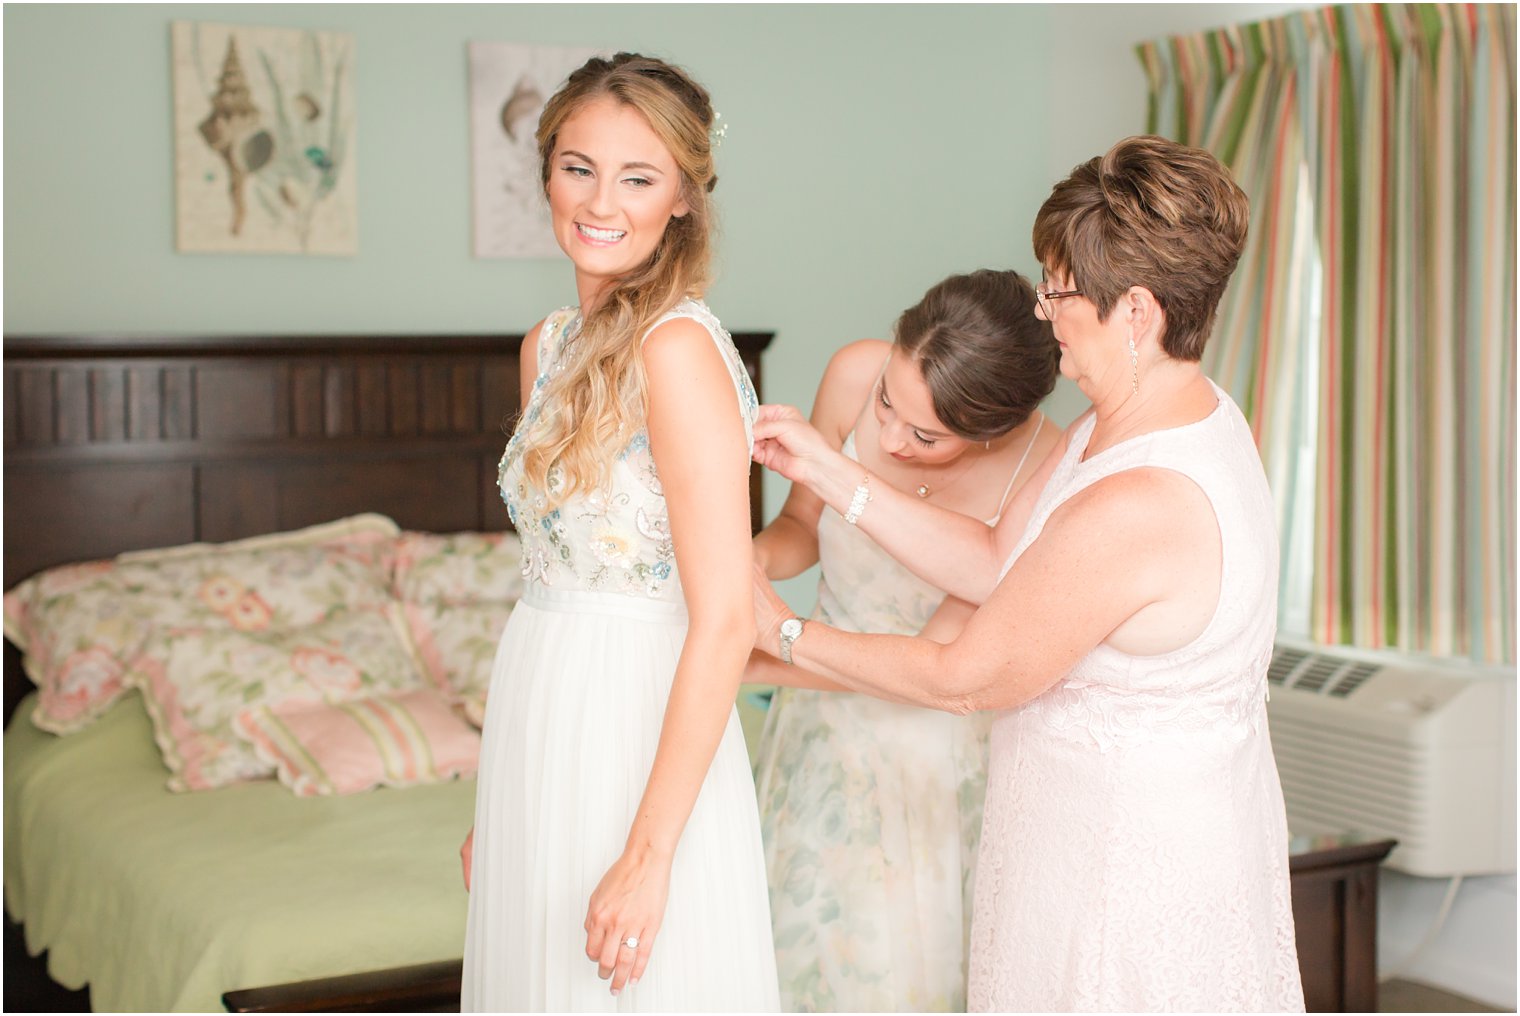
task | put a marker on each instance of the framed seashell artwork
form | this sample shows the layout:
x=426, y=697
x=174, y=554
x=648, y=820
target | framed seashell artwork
x=263, y=140
x=509, y=84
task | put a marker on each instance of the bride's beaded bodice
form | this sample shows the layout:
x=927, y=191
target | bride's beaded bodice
x=615, y=539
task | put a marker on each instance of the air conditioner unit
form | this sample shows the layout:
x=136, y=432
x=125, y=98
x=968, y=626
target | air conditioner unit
x=1422, y=751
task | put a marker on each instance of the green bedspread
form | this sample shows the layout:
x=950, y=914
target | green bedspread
x=163, y=901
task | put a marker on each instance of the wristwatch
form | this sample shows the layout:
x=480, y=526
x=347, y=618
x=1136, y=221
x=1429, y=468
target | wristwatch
x=791, y=628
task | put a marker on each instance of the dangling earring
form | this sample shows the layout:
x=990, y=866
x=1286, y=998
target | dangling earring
x=1134, y=366
x=987, y=445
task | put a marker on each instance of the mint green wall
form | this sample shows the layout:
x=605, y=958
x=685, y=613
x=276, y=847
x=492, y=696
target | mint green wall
x=871, y=151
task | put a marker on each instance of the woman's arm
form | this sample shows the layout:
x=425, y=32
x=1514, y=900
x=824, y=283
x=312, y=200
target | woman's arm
x=951, y=551
x=1130, y=542
x=790, y=543
x=696, y=435
x=764, y=668
x=948, y=620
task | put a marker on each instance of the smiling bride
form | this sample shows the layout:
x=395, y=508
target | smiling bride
x=615, y=862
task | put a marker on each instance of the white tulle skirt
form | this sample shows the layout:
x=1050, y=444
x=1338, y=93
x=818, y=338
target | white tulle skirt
x=577, y=698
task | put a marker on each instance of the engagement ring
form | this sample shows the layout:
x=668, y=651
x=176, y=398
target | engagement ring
x=632, y=942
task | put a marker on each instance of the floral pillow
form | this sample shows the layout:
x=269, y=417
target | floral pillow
x=347, y=747
x=456, y=592
x=81, y=627
x=196, y=681
x=458, y=567
x=77, y=632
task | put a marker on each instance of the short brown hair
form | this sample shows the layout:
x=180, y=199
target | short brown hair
x=988, y=361
x=1150, y=213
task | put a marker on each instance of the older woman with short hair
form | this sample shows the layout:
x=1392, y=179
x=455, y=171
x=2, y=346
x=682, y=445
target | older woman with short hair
x=1134, y=848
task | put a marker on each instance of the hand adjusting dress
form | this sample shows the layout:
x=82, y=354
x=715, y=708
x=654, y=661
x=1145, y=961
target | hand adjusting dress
x=1134, y=849
x=578, y=694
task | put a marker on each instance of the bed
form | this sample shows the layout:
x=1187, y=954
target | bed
x=163, y=900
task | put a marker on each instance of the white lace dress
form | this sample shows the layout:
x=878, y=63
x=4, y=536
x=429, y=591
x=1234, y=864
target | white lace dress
x=573, y=718
x=871, y=812
x=1134, y=848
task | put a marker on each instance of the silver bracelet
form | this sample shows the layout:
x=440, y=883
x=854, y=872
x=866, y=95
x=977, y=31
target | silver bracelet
x=859, y=500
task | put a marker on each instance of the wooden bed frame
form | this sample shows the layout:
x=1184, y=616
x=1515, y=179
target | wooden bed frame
x=116, y=443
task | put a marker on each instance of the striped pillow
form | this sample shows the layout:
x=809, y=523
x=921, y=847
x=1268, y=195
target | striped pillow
x=397, y=740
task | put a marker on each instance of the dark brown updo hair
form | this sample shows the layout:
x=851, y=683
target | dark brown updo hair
x=988, y=361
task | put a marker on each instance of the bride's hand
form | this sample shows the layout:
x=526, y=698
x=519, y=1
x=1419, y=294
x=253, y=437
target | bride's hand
x=467, y=857
x=629, y=903
x=786, y=443
x=770, y=611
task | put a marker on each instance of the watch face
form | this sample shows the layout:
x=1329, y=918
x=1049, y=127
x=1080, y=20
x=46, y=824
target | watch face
x=791, y=627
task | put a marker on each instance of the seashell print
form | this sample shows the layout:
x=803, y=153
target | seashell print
x=318, y=157
x=523, y=104
x=264, y=121
x=256, y=151
x=307, y=106
x=233, y=118
x=214, y=130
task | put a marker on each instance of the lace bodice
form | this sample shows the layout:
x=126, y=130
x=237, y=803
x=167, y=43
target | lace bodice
x=616, y=539
x=1218, y=681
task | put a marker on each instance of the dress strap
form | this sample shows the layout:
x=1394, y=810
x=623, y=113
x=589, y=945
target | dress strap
x=1038, y=426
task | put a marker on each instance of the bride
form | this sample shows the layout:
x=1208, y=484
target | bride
x=615, y=862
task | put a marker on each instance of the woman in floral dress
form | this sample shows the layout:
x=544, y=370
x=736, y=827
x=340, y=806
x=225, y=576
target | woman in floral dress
x=871, y=811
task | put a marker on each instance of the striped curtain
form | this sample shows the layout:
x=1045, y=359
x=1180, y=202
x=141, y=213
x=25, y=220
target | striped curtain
x=1369, y=332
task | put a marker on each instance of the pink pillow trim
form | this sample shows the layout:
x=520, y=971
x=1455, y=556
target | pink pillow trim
x=347, y=747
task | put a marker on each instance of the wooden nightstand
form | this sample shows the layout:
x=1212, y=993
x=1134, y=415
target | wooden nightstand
x=1335, y=889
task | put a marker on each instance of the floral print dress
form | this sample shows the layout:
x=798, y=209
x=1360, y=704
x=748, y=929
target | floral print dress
x=871, y=813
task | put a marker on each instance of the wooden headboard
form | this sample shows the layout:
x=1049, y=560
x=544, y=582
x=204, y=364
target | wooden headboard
x=124, y=443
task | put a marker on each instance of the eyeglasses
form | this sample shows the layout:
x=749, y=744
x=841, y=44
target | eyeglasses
x=1044, y=296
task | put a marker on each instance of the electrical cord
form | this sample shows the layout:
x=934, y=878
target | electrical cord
x=1403, y=966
